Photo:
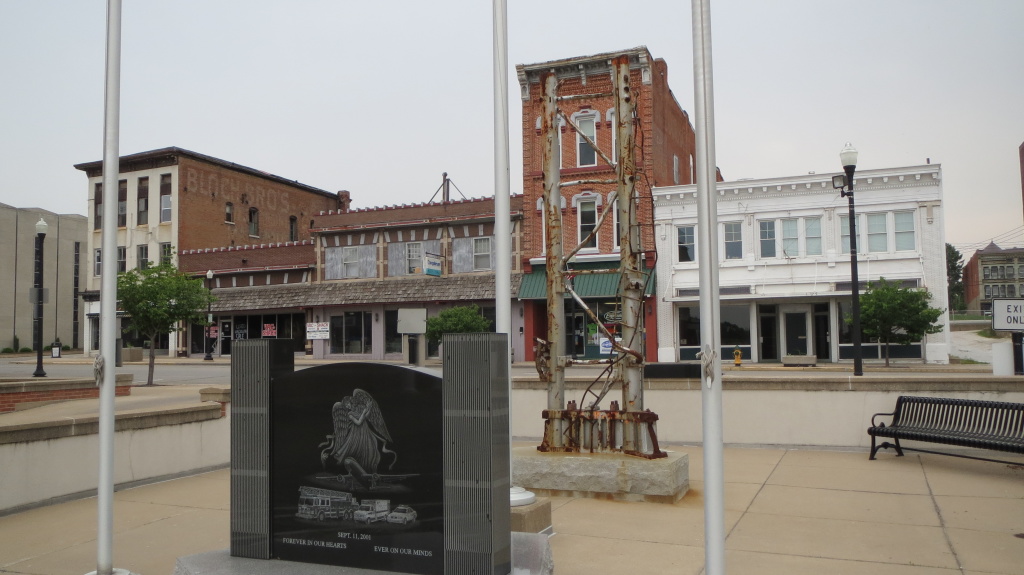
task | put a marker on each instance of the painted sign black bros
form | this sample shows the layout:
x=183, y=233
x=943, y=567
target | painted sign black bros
x=357, y=472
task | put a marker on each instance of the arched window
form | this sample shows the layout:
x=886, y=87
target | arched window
x=254, y=222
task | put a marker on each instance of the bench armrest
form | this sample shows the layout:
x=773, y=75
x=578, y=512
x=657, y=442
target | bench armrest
x=873, y=424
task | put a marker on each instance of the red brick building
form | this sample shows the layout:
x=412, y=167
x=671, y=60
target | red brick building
x=173, y=200
x=664, y=153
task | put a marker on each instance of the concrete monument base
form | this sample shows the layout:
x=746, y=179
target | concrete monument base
x=532, y=518
x=531, y=555
x=600, y=475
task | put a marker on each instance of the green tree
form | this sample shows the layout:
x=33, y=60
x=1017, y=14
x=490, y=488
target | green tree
x=892, y=314
x=955, y=278
x=157, y=299
x=459, y=319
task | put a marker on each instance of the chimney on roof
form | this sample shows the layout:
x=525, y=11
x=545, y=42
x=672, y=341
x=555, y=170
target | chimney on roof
x=344, y=200
x=445, y=187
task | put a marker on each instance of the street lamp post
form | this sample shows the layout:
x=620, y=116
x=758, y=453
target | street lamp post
x=209, y=318
x=848, y=158
x=41, y=228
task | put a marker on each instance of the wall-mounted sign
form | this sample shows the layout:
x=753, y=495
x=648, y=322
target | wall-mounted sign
x=432, y=264
x=614, y=316
x=606, y=345
x=318, y=330
x=412, y=320
x=1008, y=314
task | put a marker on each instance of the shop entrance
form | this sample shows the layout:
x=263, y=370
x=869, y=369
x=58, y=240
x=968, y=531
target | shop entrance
x=226, y=333
x=797, y=330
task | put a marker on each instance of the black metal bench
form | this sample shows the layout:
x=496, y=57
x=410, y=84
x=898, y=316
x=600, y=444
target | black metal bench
x=993, y=425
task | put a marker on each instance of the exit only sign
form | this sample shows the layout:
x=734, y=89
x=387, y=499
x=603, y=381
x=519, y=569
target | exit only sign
x=1008, y=314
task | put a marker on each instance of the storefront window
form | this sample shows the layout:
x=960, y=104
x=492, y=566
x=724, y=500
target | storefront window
x=392, y=339
x=735, y=326
x=351, y=333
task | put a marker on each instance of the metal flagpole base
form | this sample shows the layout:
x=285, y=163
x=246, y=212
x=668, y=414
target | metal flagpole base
x=114, y=572
x=517, y=497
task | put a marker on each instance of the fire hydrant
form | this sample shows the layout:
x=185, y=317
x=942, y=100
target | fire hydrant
x=737, y=357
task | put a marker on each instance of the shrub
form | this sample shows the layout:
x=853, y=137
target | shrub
x=25, y=350
x=7, y=350
x=460, y=319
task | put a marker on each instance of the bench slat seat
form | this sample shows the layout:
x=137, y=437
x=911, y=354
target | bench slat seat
x=972, y=423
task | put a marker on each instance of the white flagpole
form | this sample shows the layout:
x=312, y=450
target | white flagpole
x=711, y=337
x=108, y=293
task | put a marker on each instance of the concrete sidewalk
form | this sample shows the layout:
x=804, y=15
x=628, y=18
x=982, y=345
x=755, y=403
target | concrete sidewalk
x=788, y=512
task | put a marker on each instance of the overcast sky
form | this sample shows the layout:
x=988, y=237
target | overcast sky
x=379, y=98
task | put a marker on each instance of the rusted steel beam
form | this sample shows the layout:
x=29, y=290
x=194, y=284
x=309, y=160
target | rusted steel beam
x=586, y=182
x=601, y=431
x=570, y=97
x=553, y=258
x=631, y=285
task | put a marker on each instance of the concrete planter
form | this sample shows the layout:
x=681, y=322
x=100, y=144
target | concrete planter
x=800, y=360
x=131, y=354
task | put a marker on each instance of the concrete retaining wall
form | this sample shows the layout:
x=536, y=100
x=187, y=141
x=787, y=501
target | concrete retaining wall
x=801, y=415
x=34, y=472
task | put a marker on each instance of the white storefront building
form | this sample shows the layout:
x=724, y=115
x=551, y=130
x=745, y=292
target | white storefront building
x=784, y=262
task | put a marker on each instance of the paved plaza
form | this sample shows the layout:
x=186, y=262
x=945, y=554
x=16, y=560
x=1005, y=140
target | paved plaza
x=788, y=512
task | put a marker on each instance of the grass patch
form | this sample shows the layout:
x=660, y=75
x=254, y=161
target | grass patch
x=990, y=333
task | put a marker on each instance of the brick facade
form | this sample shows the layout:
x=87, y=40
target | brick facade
x=663, y=134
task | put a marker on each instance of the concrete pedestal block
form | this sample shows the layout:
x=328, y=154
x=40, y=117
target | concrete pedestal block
x=533, y=518
x=604, y=476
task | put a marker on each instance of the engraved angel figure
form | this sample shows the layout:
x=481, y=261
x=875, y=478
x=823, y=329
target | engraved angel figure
x=360, y=436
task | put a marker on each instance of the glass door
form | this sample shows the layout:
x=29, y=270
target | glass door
x=225, y=336
x=797, y=330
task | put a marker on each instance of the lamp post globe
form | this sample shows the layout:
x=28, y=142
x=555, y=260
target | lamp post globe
x=41, y=229
x=848, y=158
x=209, y=318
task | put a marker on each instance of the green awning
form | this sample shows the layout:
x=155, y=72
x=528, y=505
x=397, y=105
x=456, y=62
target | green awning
x=590, y=285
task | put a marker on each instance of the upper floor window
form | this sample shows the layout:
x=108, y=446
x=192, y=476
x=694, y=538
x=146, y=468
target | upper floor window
x=229, y=213
x=904, y=230
x=877, y=233
x=882, y=233
x=143, y=256
x=767, y=235
x=293, y=229
x=122, y=203
x=97, y=211
x=165, y=253
x=97, y=262
x=122, y=259
x=481, y=253
x=165, y=198
x=413, y=257
x=685, y=243
x=142, y=202
x=585, y=153
x=349, y=262
x=733, y=240
x=798, y=237
x=587, y=222
x=254, y=222
x=986, y=272
x=675, y=170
